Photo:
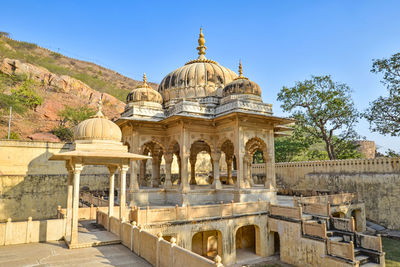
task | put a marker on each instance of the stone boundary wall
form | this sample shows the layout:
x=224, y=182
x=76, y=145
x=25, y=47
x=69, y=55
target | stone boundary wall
x=374, y=181
x=33, y=186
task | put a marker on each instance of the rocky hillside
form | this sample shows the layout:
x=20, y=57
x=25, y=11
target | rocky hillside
x=60, y=81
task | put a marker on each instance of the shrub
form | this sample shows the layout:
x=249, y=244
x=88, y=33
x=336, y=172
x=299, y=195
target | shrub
x=62, y=132
x=56, y=55
x=13, y=136
x=27, y=95
x=8, y=100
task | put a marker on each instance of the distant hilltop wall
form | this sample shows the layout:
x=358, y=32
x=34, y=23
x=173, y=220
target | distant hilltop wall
x=376, y=181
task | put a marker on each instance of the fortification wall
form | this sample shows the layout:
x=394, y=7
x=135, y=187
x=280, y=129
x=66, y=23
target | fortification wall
x=33, y=186
x=376, y=181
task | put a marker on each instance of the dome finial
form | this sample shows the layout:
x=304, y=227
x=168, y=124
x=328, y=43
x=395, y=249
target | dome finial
x=201, y=48
x=99, y=114
x=240, y=72
x=144, y=85
x=240, y=69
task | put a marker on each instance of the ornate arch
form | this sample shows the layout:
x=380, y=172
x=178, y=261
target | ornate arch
x=254, y=144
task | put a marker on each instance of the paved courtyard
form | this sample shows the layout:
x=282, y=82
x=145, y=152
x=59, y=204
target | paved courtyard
x=57, y=254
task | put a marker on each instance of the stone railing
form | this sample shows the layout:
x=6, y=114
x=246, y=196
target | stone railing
x=29, y=231
x=347, y=225
x=257, y=168
x=315, y=229
x=94, y=200
x=340, y=249
x=369, y=242
x=333, y=199
x=344, y=166
x=154, y=249
x=86, y=213
x=286, y=211
x=317, y=209
x=147, y=215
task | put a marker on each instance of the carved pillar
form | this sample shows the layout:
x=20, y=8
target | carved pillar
x=270, y=180
x=168, y=162
x=112, y=170
x=179, y=169
x=229, y=161
x=216, y=157
x=249, y=172
x=69, y=201
x=193, y=160
x=142, y=173
x=133, y=182
x=184, y=173
x=75, y=208
x=154, y=182
x=122, y=195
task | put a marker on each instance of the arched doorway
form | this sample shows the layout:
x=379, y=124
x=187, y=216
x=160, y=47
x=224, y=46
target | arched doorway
x=228, y=149
x=207, y=243
x=247, y=243
x=256, y=160
x=149, y=174
x=201, y=173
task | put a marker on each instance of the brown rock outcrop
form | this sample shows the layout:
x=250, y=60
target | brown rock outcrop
x=62, y=83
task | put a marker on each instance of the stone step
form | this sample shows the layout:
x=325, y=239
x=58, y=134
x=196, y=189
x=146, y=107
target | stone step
x=336, y=238
x=362, y=259
x=357, y=251
x=306, y=217
x=329, y=233
x=370, y=264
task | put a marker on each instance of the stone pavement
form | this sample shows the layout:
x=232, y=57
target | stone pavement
x=57, y=254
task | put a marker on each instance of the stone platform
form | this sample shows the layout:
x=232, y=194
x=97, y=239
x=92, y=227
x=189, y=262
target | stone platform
x=91, y=234
x=57, y=254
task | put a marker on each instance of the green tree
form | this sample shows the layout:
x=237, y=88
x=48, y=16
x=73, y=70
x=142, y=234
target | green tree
x=322, y=108
x=383, y=113
x=27, y=95
x=70, y=117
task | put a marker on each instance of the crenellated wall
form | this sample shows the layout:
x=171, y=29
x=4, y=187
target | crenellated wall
x=376, y=181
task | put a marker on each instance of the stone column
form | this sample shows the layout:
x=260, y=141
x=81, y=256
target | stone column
x=168, y=162
x=193, y=170
x=69, y=204
x=216, y=157
x=184, y=173
x=112, y=170
x=270, y=181
x=249, y=172
x=179, y=168
x=154, y=182
x=229, y=161
x=75, y=208
x=142, y=172
x=133, y=182
x=122, y=195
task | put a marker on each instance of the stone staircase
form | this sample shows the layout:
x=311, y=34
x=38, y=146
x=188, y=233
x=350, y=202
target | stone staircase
x=362, y=256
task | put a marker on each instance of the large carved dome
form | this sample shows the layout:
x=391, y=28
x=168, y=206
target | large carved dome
x=198, y=78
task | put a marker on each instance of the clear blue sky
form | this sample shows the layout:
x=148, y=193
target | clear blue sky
x=279, y=42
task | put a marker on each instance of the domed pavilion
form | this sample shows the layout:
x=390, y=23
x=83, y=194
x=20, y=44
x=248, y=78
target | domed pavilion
x=97, y=141
x=201, y=107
